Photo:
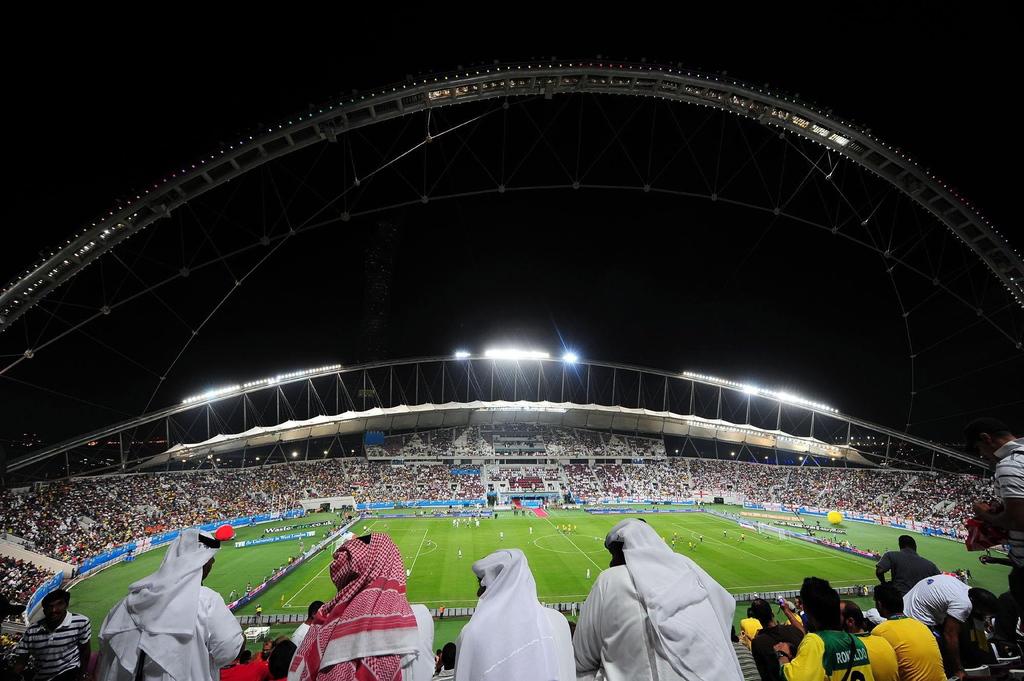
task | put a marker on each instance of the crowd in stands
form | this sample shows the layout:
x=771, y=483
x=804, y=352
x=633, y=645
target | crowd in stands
x=72, y=520
x=536, y=440
x=20, y=578
x=748, y=480
x=8, y=641
x=524, y=477
x=371, y=482
x=659, y=480
x=938, y=498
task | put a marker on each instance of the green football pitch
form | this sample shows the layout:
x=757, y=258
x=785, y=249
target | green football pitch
x=560, y=561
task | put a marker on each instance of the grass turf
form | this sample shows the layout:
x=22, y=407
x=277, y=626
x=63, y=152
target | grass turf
x=559, y=561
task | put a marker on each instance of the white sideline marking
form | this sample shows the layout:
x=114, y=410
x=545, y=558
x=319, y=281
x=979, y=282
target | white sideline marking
x=585, y=555
x=416, y=557
x=314, y=577
x=721, y=543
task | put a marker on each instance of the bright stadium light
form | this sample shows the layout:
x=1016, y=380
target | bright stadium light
x=512, y=353
x=570, y=357
x=780, y=395
x=462, y=354
x=219, y=392
x=294, y=454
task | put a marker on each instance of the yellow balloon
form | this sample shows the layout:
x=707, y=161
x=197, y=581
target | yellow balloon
x=835, y=517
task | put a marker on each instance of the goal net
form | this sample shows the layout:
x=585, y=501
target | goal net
x=770, y=532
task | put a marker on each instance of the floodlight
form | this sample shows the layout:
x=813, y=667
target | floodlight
x=780, y=395
x=461, y=354
x=219, y=392
x=570, y=357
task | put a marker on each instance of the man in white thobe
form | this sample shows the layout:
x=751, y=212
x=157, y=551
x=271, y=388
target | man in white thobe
x=511, y=636
x=654, y=615
x=422, y=668
x=169, y=624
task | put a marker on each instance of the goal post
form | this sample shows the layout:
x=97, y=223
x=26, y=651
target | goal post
x=770, y=532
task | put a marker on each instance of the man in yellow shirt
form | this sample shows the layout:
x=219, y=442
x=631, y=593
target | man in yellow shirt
x=880, y=652
x=827, y=653
x=749, y=626
x=917, y=652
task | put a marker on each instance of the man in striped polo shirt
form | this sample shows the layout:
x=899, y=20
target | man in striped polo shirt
x=993, y=440
x=59, y=644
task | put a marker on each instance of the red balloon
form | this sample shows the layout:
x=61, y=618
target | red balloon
x=224, y=533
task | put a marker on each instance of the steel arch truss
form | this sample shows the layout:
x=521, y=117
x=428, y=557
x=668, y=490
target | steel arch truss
x=547, y=80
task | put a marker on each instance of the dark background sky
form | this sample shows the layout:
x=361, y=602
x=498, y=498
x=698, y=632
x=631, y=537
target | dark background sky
x=98, y=108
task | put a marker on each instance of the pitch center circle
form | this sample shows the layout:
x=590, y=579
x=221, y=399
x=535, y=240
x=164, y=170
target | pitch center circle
x=569, y=549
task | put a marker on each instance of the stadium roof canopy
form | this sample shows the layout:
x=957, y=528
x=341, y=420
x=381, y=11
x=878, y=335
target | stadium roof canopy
x=566, y=414
x=332, y=402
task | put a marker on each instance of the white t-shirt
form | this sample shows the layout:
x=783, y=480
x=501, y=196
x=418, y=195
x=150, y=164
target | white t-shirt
x=933, y=598
x=299, y=634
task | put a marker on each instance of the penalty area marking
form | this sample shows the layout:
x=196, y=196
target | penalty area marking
x=710, y=540
x=417, y=556
x=830, y=552
x=431, y=548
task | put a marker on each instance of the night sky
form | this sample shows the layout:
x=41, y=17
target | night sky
x=93, y=114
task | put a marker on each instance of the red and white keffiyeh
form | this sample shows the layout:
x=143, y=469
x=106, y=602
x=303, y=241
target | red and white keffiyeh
x=366, y=630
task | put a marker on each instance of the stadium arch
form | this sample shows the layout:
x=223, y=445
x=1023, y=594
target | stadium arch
x=987, y=290
x=548, y=79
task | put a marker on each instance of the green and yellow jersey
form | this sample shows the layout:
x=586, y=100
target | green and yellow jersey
x=828, y=656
